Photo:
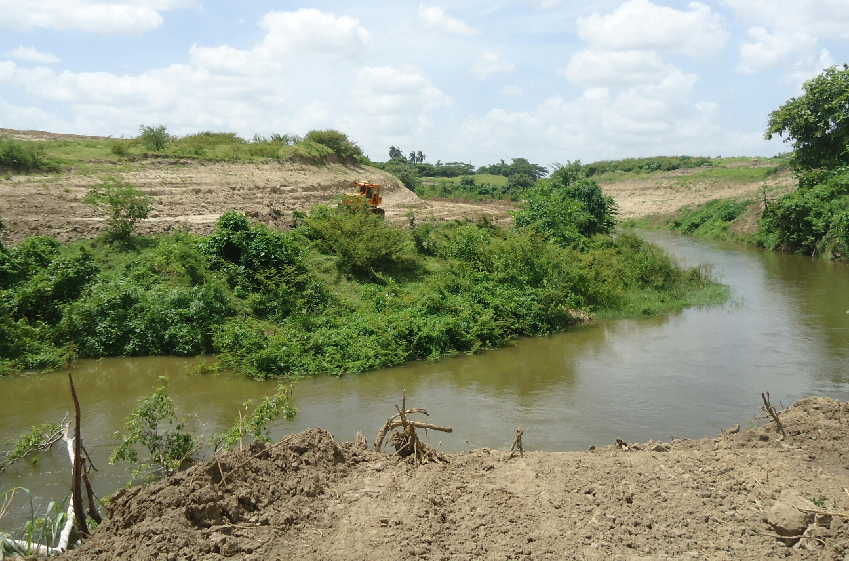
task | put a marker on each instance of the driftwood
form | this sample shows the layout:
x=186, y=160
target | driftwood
x=770, y=410
x=517, y=443
x=405, y=441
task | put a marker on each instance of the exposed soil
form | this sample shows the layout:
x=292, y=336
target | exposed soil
x=311, y=498
x=191, y=195
x=666, y=193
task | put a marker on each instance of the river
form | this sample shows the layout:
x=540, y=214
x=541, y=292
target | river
x=689, y=374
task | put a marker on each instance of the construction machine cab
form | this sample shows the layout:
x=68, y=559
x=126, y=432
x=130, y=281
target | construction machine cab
x=367, y=197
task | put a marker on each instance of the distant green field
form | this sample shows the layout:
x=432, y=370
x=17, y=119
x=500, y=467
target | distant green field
x=480, y=179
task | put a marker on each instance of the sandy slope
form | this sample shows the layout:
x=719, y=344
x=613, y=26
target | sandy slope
x=310, y=498
x=190, y=195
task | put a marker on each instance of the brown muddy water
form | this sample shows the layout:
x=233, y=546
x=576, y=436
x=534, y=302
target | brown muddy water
x=786, y=331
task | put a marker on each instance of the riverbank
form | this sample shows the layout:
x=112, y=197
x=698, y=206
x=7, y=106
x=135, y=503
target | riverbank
x=310, y=498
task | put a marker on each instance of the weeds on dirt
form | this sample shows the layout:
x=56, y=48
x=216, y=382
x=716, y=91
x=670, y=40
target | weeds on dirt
x=255, y=423
x=19, y=156
x=39, y=530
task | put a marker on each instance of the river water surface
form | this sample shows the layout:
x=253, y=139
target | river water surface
x=786, y=331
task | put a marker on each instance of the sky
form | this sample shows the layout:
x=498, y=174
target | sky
x=473, y=80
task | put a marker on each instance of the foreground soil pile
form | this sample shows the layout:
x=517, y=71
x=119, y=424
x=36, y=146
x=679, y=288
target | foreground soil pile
x=309, y=497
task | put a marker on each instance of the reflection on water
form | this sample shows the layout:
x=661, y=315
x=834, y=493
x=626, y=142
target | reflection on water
x=688, y=374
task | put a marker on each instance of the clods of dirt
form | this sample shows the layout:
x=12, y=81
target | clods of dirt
x=736, y=497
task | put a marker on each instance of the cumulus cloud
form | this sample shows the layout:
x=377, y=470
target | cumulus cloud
x=490, y=63
x=289, y=81
x=787, y=34
x=828, y=19
x=435, y=17
x=605, y=68
x=765, y=49
x=105, y=16
x=31, y=54
x=544, y=4
x=641, y=24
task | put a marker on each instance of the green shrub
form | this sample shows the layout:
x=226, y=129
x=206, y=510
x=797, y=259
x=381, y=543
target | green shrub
x=40, y=297
x=154, y=425
x=308, y=152
x=119, y=318
x=363, y=241
x=345, y=149
x=123, y=204
x=154, y=138
x=119, y=148
x=710, y=220
x=17, y=155
x=801, y=221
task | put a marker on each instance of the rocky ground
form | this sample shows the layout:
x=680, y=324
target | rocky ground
x=743, y=495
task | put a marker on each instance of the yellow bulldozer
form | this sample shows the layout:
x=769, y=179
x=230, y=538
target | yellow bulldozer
x=366, y=198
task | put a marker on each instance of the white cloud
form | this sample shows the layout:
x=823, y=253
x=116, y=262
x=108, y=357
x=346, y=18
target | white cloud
x=544, y=4
x=606, y=68
x=395, y=102
x=826, y=19
x=303, y=73
x=298, y=34
x=642, y=120
x=491, y=63
x=641, y=24
x=765, y=49
x=512, y=90
x=31, y=54
x=435, y=17
x=107, y=16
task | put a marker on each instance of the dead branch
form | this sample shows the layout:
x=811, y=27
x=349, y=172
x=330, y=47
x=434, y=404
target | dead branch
x=405, y=440
x=770, y=410
x=381, y=434
x=517, y=444
x=76, y=483
x=821, y=512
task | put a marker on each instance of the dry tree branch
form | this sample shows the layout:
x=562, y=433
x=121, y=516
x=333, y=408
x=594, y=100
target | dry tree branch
x=769, y=409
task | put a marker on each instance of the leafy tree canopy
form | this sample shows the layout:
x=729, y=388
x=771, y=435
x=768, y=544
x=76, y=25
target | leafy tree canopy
x=817, y=122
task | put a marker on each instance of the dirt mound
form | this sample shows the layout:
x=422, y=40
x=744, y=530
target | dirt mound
x=732, y=497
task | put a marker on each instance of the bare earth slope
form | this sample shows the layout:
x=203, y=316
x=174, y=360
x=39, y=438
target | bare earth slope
x=191, y=195
x=310, y=498
x=665, y=193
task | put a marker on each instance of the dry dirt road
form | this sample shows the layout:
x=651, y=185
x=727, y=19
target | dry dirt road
x=310, y=498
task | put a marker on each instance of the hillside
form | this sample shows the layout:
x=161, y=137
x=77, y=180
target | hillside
x=665, y=192
x=191, y=193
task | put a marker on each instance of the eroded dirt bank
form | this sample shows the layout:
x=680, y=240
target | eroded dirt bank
x=311, y=498
x=191, y=195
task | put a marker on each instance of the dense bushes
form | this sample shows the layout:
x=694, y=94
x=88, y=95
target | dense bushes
x=16, y=155
x=568, y=207
x=646, y=165
x=363, y=242
x=812, y=219
x=344, y=149
x=343, y=292
x=710, y=220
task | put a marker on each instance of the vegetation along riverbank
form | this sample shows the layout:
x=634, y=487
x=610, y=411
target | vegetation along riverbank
x=342, y=291
x=811, y=218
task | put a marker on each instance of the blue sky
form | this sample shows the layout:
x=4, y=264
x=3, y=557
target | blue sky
x=551, y=80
